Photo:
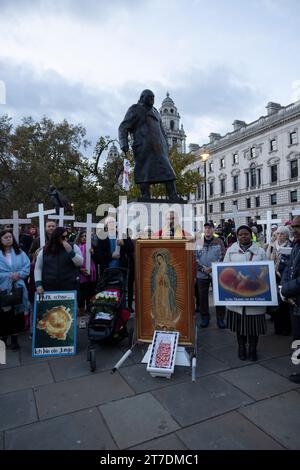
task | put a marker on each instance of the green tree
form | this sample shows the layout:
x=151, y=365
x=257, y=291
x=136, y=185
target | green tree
x=187, y=180
x=35, y=155
x=110, y=181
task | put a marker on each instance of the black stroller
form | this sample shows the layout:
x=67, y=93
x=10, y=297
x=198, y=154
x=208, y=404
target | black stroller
x=108, y=312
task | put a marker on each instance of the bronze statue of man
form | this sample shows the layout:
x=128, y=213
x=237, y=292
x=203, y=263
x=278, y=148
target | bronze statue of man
x=59, y=200
x=150, y=146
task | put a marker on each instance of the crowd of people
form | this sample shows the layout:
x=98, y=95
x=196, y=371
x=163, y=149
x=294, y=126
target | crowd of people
x=245, y=244
x=61, y=265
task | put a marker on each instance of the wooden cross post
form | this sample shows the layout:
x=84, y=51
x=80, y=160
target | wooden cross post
x=15, y=221
x=268, y=222
x=88, y=225
x=61, y=217
x=41, y=215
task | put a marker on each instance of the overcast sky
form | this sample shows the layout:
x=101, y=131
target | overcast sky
x=88, y=60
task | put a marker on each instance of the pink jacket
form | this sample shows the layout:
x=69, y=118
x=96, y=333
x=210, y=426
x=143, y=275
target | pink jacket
x=92, y=276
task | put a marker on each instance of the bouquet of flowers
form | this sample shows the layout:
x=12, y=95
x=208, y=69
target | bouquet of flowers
x=108, y=296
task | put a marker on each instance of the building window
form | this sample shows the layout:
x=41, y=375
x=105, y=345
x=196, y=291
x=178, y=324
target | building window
x=165, y=110
x=249, y=220
x=252, y=177
x=259, y=176
x=273, y=173
x=172, y=124
x=235, y=183
x=235, y=159
x=248, y=202
x=222, y=206
x=274, y=216
x=294, y=169
x=222, y=186
x=273, y=145
x=257, y=201
x=293, y=138
x=247, y=179
x=174, y=140
x=200, y=191
x=222, y=162
x=294, y=196
x=252, y=152
x=172, y=110
x=210, y=167
x=235, y=203
x=273, y=199
x=210, y=208
x=211, y=189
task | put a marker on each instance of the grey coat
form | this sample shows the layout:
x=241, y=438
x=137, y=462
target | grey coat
x=150, y=146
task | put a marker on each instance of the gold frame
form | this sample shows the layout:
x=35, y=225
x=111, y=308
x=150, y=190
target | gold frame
x=181, y=262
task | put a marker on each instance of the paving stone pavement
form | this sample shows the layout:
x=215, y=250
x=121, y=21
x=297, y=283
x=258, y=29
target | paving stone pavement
x=57, y=403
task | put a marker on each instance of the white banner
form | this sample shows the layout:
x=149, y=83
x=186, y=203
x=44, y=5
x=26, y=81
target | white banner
x=125, y=184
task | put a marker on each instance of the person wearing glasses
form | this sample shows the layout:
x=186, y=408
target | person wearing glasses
x=57, y=264
x=291, y=286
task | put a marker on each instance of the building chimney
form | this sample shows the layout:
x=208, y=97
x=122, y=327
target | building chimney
x=214, y=136
x=273, y=107
x=193, y=147
x=238, y=124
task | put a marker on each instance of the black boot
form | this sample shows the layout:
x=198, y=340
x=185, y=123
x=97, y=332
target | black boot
x=253, y=340
x=171, y=191
x=14, y=342
x=145, y=191
x=242, y=353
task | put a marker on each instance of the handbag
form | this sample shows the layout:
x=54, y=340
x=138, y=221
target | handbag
x=9, y=298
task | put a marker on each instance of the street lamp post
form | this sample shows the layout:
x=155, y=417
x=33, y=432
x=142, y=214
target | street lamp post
x=204, y=156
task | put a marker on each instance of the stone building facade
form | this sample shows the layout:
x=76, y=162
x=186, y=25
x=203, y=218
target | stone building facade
x=256, y=167
x=171, y=122
x=113, y=153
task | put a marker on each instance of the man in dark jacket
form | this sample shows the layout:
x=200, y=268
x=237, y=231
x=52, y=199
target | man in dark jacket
x=49, y=227
x=209, y=250
x=150, y=146
x=291, y=286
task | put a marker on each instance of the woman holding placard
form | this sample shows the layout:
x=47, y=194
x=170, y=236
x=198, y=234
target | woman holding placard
x=247, y=322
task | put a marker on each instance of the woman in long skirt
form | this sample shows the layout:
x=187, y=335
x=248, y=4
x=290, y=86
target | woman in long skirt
x=247, y=322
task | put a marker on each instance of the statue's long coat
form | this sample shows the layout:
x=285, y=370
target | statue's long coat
x=150, y=146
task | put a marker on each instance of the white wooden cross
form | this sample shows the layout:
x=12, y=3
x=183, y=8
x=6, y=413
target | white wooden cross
x=268, y=222
x=41, y=215
x=62, y=217
x=201, y=220
x=16, y=222
x=237, y=216
x=88, y=225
